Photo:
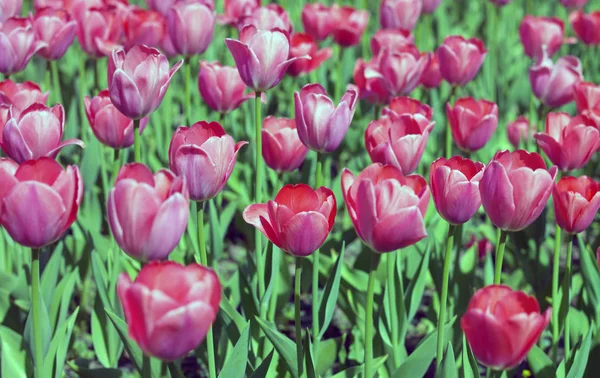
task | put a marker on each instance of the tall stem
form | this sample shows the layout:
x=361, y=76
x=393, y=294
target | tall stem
x=298, y=325
x=448, y=129
x=137, y=147
x=188, y=92
x=567, y=296
x=35, y=306
x=146, y=367
x=369, y=316
x=116, y=164
x=315, y=273
x=48, y=79
x=56, y=79
x=258, y=190
x=210, y=344
x=340, y=74
x=500, y=245
x=175, y=370
x=391, y=275
x=82, y=93
x=444, y=295
x=555, y=281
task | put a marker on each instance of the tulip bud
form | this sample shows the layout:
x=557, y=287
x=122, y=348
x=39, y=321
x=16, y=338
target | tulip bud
x=391, y=39
x=271, y=17
x=98, y=30
x=144, y=27
x=520, y=130
x=221, y=87
x=317, y=20
x=576, y=202
x=349, y=25
x=21, y=95
x=586, y=26
x=432, y=77
x=303, y=45
x=18, y=44
x=235, y=10
x=472, y=122
x=539, y=33
x=191, y=26
x=282, y=148
x=56, y=29
x=460, y=59
x=400, y=14
x=587, y=99
x=553, y=83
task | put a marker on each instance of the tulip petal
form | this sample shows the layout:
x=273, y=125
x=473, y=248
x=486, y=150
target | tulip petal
x=399, y=230
x=167, y=228
x=304, y=233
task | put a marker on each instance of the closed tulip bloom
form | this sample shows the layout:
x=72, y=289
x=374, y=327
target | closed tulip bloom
x=169, y=307
x=455, y=188
x=138, y=80
x=18, y=44
x=144, y=27
x=520, y=130
x=191, y=26
x=432, y=76
x=576, y=202
x=39, y=200
x=109, y=125
x=21, y=95
x=98, y=30
x=10, y=8
x=391, y=39
x=398, y=140
x=381, y=199
x=587, y=99
x=322, y=126
x=317, y=21
x=460, y=59
x=261, y=57
x=304, y=45
x=298, y=220
x=586, y=26
x=569, y=142
x=349, y=25
x=271, y=17
x=402, y=105
x=472, y=122
x=56, y=29
x=539, y=33
x=515, y=188
x=221, y=87
x=429, y=6
x=237, y=9
x=147, y=213
x=553, y=83
x=501, y=326
x=36, y=132
x=160, y=6
x=574, y=3
x=205, y=155
x=399, y=14
x=282, y=148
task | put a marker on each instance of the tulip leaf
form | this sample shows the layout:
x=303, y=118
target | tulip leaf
x=45, y=328
x=57, y=351
x=581, y=356
x=470, y=365
x=49, y=277
x=330, y=293
x=414, y=292
x=100, y=277
x=356, y=371
x=13, y=358
x=591, y=279
x=232, y=313
x=61, y=298
x=132, y=349
x=262, y=369
x=308, y=356
x=284, y=346
x=448, y=368
x=541, y=365
x=235, y=365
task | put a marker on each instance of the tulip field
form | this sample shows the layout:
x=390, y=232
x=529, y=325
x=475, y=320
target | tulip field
x=333, y=188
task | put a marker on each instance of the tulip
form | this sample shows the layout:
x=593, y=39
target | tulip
x=169, y=307
x=381, y=199
x=99, y=30
x=429, y=6
x=298, y=220
x=460, y=59
x=35, y=132
x=500, y=3
x=502, y=325
x=205, y=155
x=569, y=142
x=574, y=3
x=303, y=45
x=576, y=202
x=160, y=6
x=391, y=39
x=348, y=25
x=587, y=99
x=191, y=26
x=539, y=33
x=515, y=188
x=21, y=95
x=317, y=20
x=282, y=148
x=432, y=77
x=322, y=126
x=586, y=26
x=10, y=8
x=402, y=105
x=18, y=44
x=520, y=130
x=144, y=27
x=4, y=114
x=221, y=87
x=472, y=122
x=271, y=17
x=553, y=83
x=109, y=125
x=399, y=14
x=455, y=188
x=56, y=29
x=39, y=200
x=483, y=245
x=138, y=80
x=398, y=140
x=236, y=10
x=261, y=57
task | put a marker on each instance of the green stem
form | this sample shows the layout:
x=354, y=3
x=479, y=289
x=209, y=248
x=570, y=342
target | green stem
x=97, y=74
x=146, y=367
x=188, y=92
x=258, y=191
x=35, y=306
x=137, y=147
x=500, y=245
x=82, y=93
x=315, y=272
x=116, y=164
x=369, y=316
x=444, y=295
x=391, y=275
x=56, y=79
x=567, y=296
x=340, y=74
x=175, y=370
x=555, y=282
x=298, y=325
x=103, y=172
x=48, y=79
x=448, y=129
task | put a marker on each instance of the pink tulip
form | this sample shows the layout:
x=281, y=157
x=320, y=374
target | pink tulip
x=271, y=17
x=4, y=114
x=56, y=29
x=515, y=188
x=221, y=87
x=160, y=6
x=429, y=6
x=298, y=220
x=391, y=39
x=586, y=26
x=432, y=77
x=381, y=199
x=539, y=33
x=484, y=246
x=399, y=14
x=552, y=83
x=282, y=148
x=520, y=130
x=569, y=142
x=98, y=30
x=587, y=99
x=235, y=10
x=576, y=202
x=402, y=105
x=39, y=200
x=261, y=57
x=502, y=325
x=455, y=188
x=17, y=44
x=10, y=8
x=109, y=125
x=322, y=126
x=191, y=26
x=472, y=122
x=460, y=59
x=144, y=27
x=36, y=132
x=349, y=25
x=148, y=213
x=304, y=45
x=574, y=3
x=169, y=307
x=317, y=20
x=205, y=155
x=398, y=140
x=500, y=3
x=138, y=80
x=21, y=95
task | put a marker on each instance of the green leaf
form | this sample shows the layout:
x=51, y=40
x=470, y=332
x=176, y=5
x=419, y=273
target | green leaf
x=308, y=356
x=540, y=364
x=100, y=276
x=356, y=371
x=235, y=365
x=470, y=366
x=448, y=369
x=591, y=279
x=580, y=357
x=132, y=349
x=263, y=368
x=414, y=292
x=57, y=352
x=232, y=313
x=8, y=282
x=61, y=298
x=89, y=163
x=44, y=327
x=13, y=357
x=49, y=277
x=330, y=293
x=284, y=346
x=99, y=373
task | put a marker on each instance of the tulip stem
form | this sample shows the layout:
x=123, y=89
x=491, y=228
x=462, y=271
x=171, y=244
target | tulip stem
x=56, y=80
x=555, y=279
x=146, y=367
x=258, y=191
x=116, y=164
x=315, y=272
x=369, y=316
x=82, y=94
x=175, y=370
x=448, y=130
x=36, y=310
x=136, y=141
x=188, y=92
x=391, y=275
x=298, y=324
x=500, y=245
x=48, y=78
x=444, y=295
x=567, y=297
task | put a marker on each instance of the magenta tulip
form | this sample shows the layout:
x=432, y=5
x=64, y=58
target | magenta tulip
x=520, y=131
x=271, y=17
x=576, y=202
x=483, y=245
x=432, y=76
x=402, y=105
x=317, y=20
x=460, y=59
x=429, y=6
x=472, y=122
x=304, y=45
x=10, y=8
x=574, y=3
x=56, y=29
x=235, y=10
x=144, y=27
x=221, y=87
x=18, y=44
x=349, y=25
x=586, y=26
x=541, y=33
x=553, y=83
x=21, y=95
x=98, y=30
x=282, y=148
x=587, y=99
x=391, y=39
x=191, y=26
x=400, y=14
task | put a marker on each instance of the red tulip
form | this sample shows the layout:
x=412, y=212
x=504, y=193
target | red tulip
x=455, y=188
x=429, y=6
x=574, y=3
x=399, y=14
x=18, y=44
x=401, y=105
x=472, y=122
x=35, y=132
x=587, y=99
x=576, y=202
x=552, y=83
x=271, y=17
x=221, y=87
x=169, y=307
x=10, y=8
x=349, y=25
x=191, y=26
x=98, y=30
x=569, y=142
x=539, y=33
x=298, y=220
x=39, y=200
x=144, y=27
x=205, y=155
x=381, y=199
x=237, y=9
x=586, y=26
x=520, y=130
x=282, y=148
x=322, y=126
x=391, y=39
x=484, y=246
x=317, y=20
x=432, y=77
x=21, y=95
x=502, y=325
x=304, y=45
x=138, y=92
x=515, y=188
x=460, y=59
